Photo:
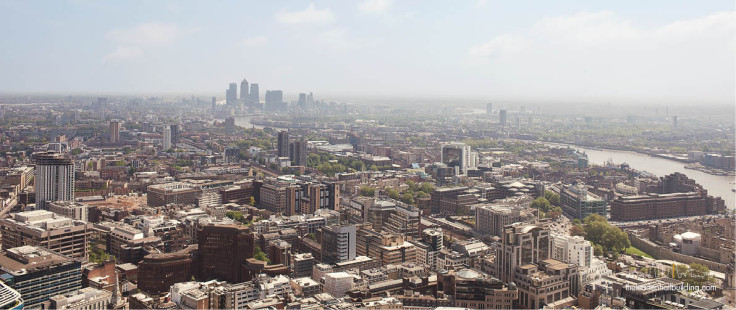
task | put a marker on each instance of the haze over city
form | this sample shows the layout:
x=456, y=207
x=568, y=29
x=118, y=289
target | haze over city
x=661, y=52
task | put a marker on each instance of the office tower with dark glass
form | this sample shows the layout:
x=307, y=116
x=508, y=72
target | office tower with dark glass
x=502, y=117
x=489, y=108
x=282, y=146
x=54, y=178
x=298, y=153
x=175, y=130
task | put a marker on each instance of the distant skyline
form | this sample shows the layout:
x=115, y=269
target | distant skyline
x=614, y=51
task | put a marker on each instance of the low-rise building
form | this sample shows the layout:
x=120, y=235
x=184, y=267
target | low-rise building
x=39, y=274
x=47, y=229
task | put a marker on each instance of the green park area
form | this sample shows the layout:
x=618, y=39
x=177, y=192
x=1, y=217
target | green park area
x=634, y=251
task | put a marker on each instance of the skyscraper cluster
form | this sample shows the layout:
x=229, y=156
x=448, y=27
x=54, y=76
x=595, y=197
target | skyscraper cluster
x=249, y=94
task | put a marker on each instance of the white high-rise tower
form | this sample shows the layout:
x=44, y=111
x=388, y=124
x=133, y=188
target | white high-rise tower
x=54, y=178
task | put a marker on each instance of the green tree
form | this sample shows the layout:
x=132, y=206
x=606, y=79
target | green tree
x=76, y=151
x=595, y=218
x=552, y=197
x=252, y=201
x=412, y=185
x=367, y=191
x=407, y=198
x=541, y=204
x=393, y=194
x=259, y=255
x=577, y=230
x=597, y=250
x=426, y=187
x=595, y=230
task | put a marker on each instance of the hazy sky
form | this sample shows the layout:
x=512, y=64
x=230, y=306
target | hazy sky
x=562, y=50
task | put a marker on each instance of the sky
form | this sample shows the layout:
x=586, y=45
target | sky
x=598, y=51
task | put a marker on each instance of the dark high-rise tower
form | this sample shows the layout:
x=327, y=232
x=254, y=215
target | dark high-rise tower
x=502, y=117
x=489, y=108
x=214, y=104
x=222, y=252
x=174, y=133
x=282, y=147
x=298, y=153
x=244, y=90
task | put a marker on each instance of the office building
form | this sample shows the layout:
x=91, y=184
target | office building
x=214, y=104
x=502, y=117
x=521, y=244
x=578, y=202
x=282, y=144
x=492, y=218
x=659, y=206
x=548, y=283
x=403, y=220
x=114, y=131
x=474, y=290
x=337, y=283
x=174, y=192
x=39, y=274
x=86, y=298
x=222, y=252
x=159, y=271
x=439, y=197
x=338, y=243
x=571, y=250
x=9, y=298
x=54, y=178
x=71, y=209
x=489, y=108
x=43, y=228
x=301, y=265
x=231, y=94
x=457, y=155
x=254, y=96
x=229, y=125
x=175, y=133
x=244, y=93
x=302, y=102
x=298, y=153
x=167, y=138
x=275, y=101
x=322, y=196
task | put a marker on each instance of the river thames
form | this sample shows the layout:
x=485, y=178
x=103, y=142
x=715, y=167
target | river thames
x=716, y=185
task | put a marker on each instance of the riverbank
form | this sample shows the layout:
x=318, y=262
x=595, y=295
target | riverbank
x=692, y=165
